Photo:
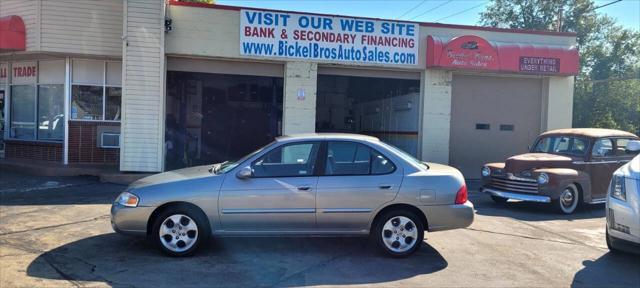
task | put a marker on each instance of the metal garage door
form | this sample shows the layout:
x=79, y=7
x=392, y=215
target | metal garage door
x=492, y=118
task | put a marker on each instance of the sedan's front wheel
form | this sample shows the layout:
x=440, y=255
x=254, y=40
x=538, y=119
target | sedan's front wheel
x=399, y=233
x=178, y=231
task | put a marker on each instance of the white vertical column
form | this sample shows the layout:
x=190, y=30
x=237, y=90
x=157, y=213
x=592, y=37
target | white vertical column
x=559, y=103
x=142, y=124
x=67, y=110
x=436, y=116
x=299, y=103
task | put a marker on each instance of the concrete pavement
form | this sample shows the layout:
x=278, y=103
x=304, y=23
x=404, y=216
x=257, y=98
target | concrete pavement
x=61, y=237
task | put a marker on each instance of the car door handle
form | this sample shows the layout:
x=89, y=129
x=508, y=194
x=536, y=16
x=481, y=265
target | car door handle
x=304, y=188
x=385, y=186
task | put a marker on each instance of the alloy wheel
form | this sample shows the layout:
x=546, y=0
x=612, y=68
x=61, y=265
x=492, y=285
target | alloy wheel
x=399, y=234
x=178, y=233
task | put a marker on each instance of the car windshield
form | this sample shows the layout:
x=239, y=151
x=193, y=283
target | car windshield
x=561, y=145
x=229, y=165
x=406, y=156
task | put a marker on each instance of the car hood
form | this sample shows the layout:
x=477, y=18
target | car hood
x=631, y=169
x=173, y=176
x=529, y=161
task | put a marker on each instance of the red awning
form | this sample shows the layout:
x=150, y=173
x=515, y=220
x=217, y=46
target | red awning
x=475, y=53
x=12, y=34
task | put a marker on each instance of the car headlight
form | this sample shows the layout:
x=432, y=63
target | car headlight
x=543, y=178
x=127, y=199
x=618, y=190
x=486, y=171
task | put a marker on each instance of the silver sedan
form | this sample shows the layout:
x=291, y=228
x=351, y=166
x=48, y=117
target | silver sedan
x=313, y=184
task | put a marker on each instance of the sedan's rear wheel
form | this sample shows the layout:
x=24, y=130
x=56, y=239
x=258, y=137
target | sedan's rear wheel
x=178, y=231
x=399, y=233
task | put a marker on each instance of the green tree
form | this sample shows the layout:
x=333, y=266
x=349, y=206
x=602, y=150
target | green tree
x=607, y=52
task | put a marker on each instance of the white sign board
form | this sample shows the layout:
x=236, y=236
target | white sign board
x=24, y=73
x=327, y=38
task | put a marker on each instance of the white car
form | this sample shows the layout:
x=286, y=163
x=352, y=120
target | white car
x=623, y=205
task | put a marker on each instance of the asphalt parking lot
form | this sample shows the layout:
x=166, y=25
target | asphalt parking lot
x=59, y=235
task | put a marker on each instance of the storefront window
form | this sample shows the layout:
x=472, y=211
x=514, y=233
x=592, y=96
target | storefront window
x=50, y=112
x=114, y=99
x=95, y=91
x=23, y=112
x=86, y=102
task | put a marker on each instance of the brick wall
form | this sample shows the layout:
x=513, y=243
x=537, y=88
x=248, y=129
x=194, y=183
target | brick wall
x=83, y=144
x=33, y=150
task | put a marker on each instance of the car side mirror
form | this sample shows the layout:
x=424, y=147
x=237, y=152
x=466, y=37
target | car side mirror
x=633, y=146
x=245, y=173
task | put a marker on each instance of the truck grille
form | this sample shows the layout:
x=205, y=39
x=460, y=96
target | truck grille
x=520, y=185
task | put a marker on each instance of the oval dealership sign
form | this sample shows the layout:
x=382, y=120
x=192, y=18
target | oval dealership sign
x=470, y=52
x=327, y=38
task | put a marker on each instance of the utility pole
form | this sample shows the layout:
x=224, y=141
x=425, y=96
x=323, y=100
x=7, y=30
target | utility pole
x=559, y=28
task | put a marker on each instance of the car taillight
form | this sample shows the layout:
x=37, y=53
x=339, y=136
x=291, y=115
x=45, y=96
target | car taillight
x=462, y=195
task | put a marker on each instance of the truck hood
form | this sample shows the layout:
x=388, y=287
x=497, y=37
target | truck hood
x=173, y=176
x=530, y=161
x=631, y=169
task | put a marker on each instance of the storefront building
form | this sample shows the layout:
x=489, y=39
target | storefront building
x=149, y=86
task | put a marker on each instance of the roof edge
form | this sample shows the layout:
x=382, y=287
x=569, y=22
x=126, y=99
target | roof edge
x=426, y=24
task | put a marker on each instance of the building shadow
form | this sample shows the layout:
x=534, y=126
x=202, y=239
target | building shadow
x=610, y=270
x=84, y=193
x=529, y=211
x=124, y=261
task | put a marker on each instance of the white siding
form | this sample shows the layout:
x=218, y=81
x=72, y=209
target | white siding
x=84, y=27
x=143, y=90
x=28, y=11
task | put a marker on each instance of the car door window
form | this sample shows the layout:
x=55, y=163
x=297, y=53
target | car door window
x=602, y=148
x=351, y=158
x=296, y=159
x=380, y=164
x=621, y=147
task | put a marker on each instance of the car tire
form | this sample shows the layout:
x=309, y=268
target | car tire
x=612, y=249
x=192, y=230
x=498, y=199
x=407, y=229
x=568, y=200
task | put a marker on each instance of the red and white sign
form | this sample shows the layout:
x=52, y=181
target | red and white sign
x=321, y=38
x=24, y=73
x=475, y=53
x=464, y=52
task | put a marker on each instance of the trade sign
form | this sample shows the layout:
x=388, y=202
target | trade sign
x=327, y=38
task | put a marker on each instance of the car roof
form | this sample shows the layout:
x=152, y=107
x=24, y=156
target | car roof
x=325, y=136
x=590, y=132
